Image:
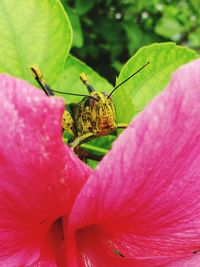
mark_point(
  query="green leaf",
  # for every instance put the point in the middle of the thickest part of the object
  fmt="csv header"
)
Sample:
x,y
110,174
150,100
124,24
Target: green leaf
x,y
69,80
83,6
33,32
92,163
136,93
136,37
99,145
169,27
76,26
193,37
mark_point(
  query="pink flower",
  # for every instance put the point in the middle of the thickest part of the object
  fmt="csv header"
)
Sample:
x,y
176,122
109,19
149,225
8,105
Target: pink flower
x,y
140,207
143,200
40,176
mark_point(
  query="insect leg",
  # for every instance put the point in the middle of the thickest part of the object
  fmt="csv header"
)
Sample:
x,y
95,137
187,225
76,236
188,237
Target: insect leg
x,y
68,122
85,155
78,140
122,125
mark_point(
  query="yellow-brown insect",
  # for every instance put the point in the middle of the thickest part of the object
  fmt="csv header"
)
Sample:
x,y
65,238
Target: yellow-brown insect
x,y
93,116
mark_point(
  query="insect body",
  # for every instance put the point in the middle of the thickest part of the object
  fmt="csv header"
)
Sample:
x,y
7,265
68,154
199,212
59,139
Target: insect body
x,y
93,116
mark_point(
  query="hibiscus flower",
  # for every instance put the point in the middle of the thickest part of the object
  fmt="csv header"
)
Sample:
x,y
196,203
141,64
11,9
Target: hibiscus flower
x,y
141,205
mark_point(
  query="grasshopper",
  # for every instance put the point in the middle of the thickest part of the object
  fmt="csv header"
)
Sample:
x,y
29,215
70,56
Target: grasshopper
x,y
92,117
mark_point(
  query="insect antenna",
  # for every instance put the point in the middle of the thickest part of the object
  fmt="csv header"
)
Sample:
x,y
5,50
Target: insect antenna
x,y
47,89
65,93
128,79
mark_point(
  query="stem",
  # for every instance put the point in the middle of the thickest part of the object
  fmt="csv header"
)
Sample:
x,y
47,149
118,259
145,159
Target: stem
x,y
102,151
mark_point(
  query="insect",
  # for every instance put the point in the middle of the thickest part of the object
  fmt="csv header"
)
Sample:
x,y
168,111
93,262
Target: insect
x,y
92,117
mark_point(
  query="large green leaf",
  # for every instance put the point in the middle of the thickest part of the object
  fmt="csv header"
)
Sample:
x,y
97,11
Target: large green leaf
x,y
76,26
33,32
136,93
69,80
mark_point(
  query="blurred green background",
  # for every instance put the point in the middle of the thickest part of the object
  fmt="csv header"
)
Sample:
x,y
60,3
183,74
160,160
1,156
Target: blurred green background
x,y
107,33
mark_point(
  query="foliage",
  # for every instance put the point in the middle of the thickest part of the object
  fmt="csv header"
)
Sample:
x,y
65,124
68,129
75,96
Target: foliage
x,y
43,36
164,59
33,38
110,32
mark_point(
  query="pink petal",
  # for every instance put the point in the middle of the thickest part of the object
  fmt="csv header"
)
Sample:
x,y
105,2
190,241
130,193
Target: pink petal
x,y
192,261
145,194
52,252
40,176
96,249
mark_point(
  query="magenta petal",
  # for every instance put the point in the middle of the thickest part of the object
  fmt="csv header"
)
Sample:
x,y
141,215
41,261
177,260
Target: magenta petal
x,y
146,192
52,252
96,249
40,176
192,261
